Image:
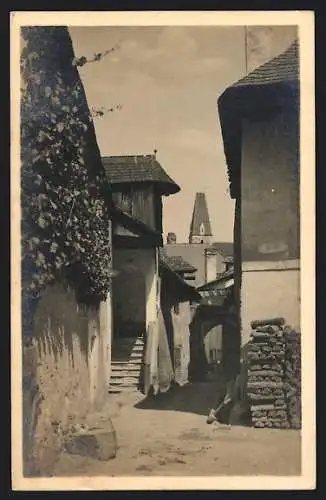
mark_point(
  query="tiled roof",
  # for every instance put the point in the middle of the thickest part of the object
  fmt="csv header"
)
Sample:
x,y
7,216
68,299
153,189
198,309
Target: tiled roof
x,y
138,169
283,68
195,255
177,263
200,216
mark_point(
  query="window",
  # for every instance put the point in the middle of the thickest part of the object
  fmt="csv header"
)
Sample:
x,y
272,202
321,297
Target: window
x,y
126,202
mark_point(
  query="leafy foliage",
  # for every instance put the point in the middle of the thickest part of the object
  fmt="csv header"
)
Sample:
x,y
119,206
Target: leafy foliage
x,y
65,198
81,61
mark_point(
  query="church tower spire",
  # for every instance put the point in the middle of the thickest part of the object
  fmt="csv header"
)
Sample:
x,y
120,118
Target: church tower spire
x,y
200,227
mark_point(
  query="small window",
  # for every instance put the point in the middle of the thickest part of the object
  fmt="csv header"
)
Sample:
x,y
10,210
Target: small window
x,y
126,201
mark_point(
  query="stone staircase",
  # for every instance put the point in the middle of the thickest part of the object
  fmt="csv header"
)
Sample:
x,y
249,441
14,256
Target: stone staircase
x,y
126,362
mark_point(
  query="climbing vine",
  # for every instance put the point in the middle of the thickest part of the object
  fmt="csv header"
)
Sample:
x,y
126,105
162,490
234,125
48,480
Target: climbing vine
x,y
65,199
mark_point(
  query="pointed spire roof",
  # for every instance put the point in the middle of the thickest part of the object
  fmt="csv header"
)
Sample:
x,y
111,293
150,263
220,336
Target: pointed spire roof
x,y
200,223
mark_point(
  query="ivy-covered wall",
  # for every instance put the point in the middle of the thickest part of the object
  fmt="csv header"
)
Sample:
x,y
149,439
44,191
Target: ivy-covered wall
x,y
65,199
65,247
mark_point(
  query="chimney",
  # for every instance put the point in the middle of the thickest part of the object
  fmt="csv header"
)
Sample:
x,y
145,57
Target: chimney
x,y
171,239
210,264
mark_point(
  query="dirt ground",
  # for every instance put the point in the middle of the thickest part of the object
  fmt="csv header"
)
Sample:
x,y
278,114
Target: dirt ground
x,y
169,436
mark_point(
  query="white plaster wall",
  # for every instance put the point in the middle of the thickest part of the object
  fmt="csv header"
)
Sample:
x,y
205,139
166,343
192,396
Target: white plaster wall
x,y
269,294
210,266
182,340
152,286
106,326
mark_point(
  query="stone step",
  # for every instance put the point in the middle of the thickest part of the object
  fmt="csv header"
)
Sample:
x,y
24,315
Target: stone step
x,y
124,373
124,381
119,389
125,357
130,367
129,341
127,352
126,366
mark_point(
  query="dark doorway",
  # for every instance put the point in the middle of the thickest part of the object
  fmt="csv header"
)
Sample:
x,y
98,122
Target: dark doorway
x,y
129,303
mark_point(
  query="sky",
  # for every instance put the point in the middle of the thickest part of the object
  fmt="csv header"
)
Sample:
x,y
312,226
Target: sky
x,y
167,80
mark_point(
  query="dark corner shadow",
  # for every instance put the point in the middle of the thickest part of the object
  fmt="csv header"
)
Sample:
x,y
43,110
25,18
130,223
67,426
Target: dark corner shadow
x,y
197,398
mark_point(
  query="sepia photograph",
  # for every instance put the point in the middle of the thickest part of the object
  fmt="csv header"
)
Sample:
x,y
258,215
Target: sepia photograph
x,y
158,264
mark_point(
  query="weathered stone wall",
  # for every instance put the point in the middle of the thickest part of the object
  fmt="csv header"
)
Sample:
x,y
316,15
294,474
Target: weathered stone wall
x,y
270,197
270,221
69,366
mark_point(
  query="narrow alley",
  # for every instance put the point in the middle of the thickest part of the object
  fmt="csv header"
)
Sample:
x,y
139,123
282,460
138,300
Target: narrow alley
x,y
169,436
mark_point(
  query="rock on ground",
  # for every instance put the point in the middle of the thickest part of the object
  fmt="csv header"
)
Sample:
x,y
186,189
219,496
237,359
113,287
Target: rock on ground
x,y
169,436
100,443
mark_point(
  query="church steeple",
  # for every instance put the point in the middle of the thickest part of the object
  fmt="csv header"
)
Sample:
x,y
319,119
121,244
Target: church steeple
x,y
200,227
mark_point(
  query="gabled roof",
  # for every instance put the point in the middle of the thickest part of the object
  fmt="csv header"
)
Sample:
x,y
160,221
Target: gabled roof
x,y
136,169
271,86
200,216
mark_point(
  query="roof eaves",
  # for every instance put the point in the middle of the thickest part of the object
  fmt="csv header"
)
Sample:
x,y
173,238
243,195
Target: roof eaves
x,y
226,275
251,94
194,294
138,169
131,222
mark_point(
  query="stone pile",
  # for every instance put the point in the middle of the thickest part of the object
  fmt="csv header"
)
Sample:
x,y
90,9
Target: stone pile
x,y
292,376
265,385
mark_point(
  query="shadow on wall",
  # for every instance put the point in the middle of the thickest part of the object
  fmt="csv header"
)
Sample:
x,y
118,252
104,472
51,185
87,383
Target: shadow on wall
x,y
69,372
169,328
60,323
197,398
